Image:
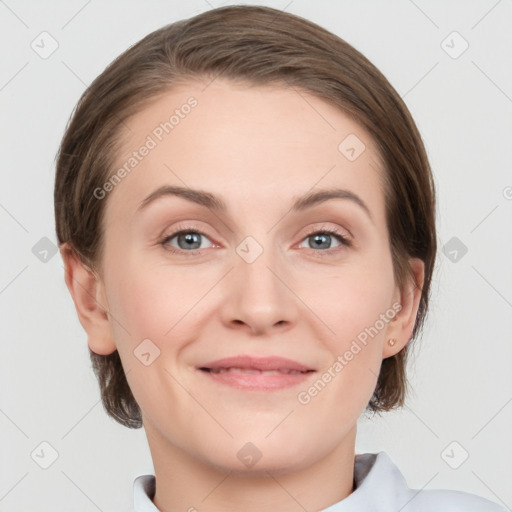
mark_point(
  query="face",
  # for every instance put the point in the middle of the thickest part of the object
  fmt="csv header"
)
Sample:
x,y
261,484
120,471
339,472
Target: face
x,y
268,275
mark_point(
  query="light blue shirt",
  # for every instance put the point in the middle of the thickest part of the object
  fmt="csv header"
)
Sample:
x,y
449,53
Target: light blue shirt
x,y
379,487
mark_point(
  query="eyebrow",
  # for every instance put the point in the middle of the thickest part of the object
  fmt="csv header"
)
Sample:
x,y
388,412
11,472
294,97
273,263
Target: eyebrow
x,y
209,200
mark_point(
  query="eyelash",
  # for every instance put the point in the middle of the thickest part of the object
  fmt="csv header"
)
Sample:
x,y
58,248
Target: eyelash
x,y
344,241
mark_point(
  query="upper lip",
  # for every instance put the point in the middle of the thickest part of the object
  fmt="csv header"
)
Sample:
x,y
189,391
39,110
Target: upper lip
x,y
257,363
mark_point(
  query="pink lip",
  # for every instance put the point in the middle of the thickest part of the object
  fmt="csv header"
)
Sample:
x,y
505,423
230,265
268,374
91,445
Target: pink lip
x,y
258,373
257,363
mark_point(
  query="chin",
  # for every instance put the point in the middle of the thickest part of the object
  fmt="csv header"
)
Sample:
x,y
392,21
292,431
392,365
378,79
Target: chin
x,y
257,458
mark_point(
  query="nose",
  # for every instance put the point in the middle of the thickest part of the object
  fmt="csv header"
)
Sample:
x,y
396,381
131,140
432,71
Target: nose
x,y
259,297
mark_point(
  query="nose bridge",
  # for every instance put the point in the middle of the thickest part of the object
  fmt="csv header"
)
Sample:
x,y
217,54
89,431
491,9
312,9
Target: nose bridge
x,y
260,298
257,263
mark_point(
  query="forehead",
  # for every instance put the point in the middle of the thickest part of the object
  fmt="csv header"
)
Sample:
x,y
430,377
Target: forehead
x,y
248,144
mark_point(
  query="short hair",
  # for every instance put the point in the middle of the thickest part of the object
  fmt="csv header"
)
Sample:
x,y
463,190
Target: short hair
x,y
252,45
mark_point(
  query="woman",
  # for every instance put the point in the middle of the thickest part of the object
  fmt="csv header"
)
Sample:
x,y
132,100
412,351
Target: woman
x,y
246,214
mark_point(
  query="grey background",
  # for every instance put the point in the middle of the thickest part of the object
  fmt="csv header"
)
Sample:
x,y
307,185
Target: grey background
x,y
460,372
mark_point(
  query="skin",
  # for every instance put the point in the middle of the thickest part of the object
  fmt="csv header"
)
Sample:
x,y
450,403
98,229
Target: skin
x,y
258,148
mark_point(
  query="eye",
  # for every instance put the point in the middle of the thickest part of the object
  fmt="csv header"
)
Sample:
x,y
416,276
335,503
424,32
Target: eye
x,y
321,239
187,240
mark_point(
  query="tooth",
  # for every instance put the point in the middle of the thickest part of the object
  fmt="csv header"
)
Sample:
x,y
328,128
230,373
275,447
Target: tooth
x,y
251,371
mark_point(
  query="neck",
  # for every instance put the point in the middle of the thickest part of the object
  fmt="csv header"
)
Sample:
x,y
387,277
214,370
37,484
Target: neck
x,y
184,483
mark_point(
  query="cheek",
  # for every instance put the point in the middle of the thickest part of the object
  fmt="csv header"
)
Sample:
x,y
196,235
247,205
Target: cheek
x,y
358,308
163,305
150,306
139,308
359,313
152,301
355,300
356,312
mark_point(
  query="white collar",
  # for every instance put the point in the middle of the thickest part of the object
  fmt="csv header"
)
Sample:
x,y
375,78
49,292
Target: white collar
x,y
379,486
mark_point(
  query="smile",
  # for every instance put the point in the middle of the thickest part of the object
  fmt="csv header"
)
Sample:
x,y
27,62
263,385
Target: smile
x,y
253,371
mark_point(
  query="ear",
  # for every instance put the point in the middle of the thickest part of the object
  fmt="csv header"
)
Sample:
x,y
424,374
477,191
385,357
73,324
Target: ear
x,y
87,291
402,325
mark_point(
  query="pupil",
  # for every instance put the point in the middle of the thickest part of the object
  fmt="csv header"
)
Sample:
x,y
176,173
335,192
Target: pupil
x,y
191,238
319,238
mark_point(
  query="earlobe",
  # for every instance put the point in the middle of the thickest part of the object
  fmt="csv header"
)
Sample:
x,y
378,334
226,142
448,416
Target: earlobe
x,y
87,292
401,328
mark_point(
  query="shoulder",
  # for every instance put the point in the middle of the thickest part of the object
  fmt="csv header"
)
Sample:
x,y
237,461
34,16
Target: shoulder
x,y
376,474
440,500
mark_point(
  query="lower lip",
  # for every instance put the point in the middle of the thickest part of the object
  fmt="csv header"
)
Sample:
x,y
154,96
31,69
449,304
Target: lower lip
x,y
258,381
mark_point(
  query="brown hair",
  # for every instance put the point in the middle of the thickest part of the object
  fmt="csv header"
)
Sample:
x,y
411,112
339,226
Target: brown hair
x,y
254,45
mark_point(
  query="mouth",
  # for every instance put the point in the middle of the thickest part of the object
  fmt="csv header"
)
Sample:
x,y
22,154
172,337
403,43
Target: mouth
x,y
254,371
251,373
